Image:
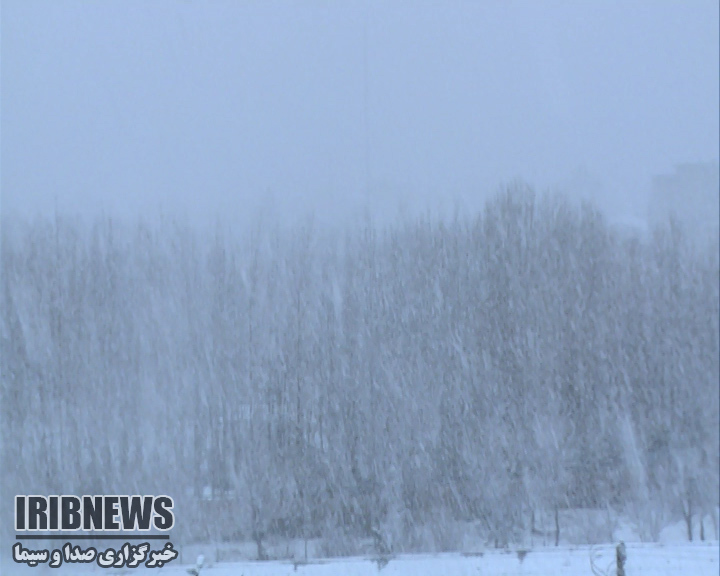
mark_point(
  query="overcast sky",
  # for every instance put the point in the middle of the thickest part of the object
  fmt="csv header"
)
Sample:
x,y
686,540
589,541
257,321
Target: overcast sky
x,y
227,107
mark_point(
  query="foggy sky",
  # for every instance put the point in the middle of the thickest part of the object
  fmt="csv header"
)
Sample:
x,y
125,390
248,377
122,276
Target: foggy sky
x,y
230,107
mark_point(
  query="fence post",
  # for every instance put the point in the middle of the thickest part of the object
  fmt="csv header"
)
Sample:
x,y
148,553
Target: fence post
x,y
621,556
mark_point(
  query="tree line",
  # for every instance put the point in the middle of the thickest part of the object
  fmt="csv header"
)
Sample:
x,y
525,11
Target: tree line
x,y
385,382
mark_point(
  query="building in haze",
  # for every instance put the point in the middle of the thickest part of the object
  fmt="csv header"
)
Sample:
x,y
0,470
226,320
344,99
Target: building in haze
x,y
692,195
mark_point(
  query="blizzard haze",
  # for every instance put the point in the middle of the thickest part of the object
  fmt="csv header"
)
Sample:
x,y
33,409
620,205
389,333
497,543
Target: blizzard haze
x,y
479,369
227,108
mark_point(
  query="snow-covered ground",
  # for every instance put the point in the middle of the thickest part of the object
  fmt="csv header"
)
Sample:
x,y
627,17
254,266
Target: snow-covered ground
x,y
643,560
700,559
671,556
